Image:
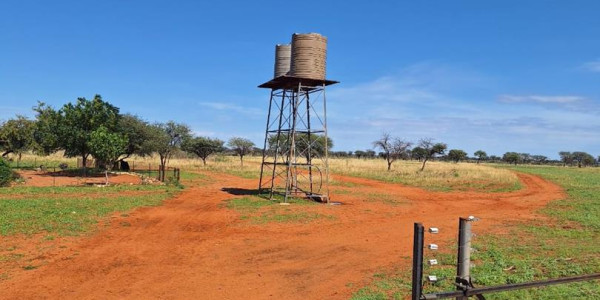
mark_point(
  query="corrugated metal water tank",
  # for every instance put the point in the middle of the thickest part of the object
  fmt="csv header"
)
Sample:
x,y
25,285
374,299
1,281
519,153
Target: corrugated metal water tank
x,y
309,54
283,59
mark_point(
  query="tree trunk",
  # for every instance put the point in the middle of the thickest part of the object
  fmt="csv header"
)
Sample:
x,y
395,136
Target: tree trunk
x,y
7,152
106,174
161,168
389,165
242,160
204,161
424,161
84,163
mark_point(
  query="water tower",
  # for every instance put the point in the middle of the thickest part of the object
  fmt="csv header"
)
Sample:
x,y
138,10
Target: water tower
x,y
295,153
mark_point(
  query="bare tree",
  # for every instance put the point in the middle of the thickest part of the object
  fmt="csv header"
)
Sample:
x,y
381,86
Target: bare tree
x,y
393,148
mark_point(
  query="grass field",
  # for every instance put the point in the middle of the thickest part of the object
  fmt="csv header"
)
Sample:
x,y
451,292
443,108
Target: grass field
x,y
437,176
565,247
71,210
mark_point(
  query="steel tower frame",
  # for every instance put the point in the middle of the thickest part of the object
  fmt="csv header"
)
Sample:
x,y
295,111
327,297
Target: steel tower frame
x,y
296,132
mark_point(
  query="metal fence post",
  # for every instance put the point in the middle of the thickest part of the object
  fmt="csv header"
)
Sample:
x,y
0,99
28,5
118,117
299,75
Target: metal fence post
x,y
463,271
417,268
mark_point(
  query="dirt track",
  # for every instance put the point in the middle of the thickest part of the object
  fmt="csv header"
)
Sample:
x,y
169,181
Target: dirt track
x,y
193,248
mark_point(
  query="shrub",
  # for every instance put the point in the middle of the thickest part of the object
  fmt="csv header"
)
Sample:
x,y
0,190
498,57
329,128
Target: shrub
x,y
6,174
63,166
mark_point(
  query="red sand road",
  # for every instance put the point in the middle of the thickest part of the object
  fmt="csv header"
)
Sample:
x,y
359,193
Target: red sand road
x,y
193,248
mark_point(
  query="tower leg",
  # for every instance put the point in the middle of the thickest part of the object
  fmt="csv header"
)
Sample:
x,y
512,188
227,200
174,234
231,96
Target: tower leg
x,y
264,152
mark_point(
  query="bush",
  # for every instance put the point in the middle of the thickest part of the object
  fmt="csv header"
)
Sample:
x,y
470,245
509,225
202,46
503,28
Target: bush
x,y
6,173
63,166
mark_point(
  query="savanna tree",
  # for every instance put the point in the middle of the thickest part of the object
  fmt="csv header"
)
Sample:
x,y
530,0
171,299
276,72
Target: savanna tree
x,y
203,147
583,159
393,148
138,133
166,138
481,155
431,149
457,155
16,136
566,158
241,147
418,153
511,157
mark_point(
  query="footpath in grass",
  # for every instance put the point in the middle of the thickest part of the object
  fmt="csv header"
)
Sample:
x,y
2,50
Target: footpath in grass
x,y
565,246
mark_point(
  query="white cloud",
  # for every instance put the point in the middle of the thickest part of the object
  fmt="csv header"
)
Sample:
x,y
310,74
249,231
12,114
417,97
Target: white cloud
x,y
540,99
592,66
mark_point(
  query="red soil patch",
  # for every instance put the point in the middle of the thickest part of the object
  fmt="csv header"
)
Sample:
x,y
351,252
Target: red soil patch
x,y
194,248
34,178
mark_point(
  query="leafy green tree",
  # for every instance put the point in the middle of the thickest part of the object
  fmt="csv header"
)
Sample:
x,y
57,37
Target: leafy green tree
x,y
393,148
511,157
106,147
203,147
16,136
583,159
418,153
138,133
166,139
241,147
431,149
78,121
566,157
481,155
457,155
46,130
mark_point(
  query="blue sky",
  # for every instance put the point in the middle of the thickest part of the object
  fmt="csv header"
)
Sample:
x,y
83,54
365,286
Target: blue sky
x,y
493,75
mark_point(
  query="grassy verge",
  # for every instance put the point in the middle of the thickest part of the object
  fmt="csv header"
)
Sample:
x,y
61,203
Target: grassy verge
x,y
70,210
566,246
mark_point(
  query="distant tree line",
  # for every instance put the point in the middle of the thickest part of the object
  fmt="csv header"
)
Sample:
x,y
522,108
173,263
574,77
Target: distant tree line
x,y
392,149
95,128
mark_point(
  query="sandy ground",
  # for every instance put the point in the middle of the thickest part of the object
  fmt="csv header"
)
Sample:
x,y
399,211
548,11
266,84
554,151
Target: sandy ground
x,y
194,248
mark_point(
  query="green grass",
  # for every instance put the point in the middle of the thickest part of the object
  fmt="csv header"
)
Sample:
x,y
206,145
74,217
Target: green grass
x,y
60,190
63,211
566,246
